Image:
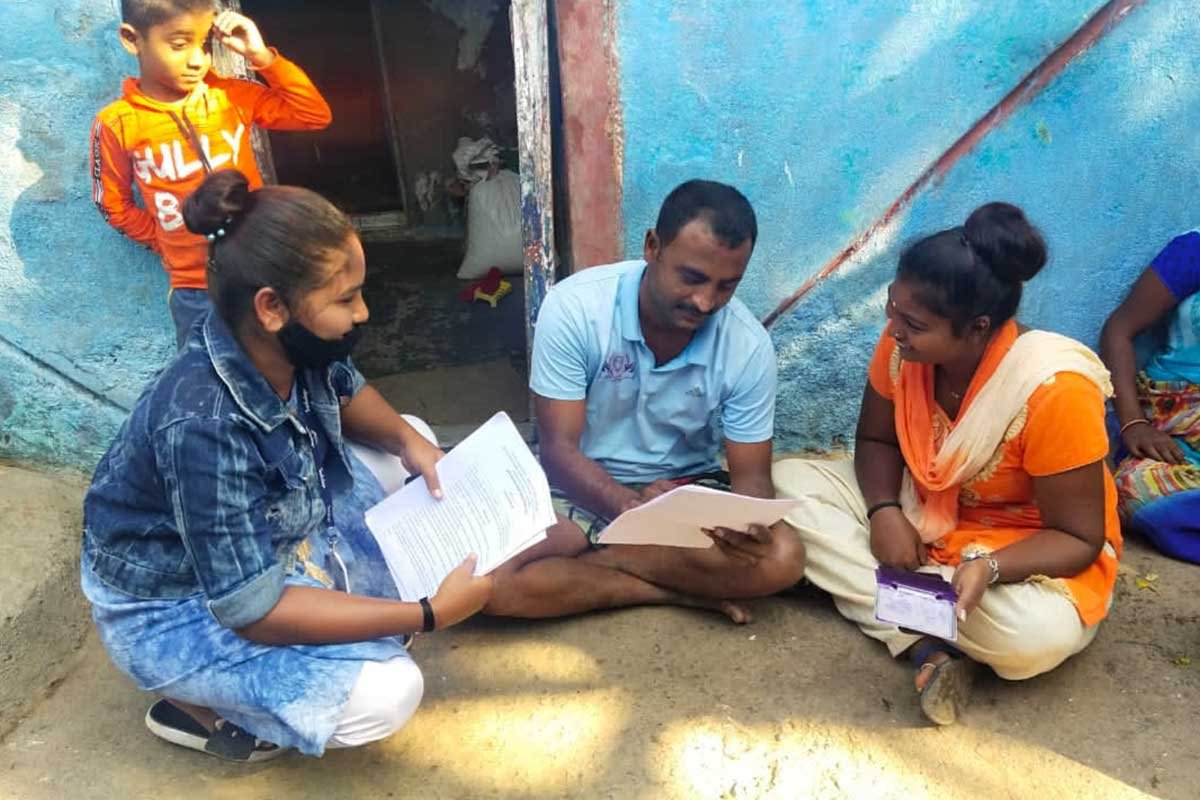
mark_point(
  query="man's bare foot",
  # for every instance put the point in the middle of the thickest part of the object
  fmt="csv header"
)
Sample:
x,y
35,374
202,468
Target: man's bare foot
x,y
738,614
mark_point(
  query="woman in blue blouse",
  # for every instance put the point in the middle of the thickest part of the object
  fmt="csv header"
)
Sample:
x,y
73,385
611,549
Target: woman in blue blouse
x,y
1158,410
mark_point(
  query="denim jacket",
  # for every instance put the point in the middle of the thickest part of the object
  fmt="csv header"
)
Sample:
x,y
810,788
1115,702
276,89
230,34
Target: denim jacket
x,y
210,484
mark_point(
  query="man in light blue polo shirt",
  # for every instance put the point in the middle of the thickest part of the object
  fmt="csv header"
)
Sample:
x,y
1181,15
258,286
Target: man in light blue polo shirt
x,y
641,371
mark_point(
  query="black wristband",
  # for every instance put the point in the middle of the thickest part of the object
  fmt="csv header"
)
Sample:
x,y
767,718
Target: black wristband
x,y
880,506
427,612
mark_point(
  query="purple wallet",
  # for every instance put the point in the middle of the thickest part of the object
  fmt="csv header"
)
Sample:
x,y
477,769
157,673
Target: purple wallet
x,y
917,602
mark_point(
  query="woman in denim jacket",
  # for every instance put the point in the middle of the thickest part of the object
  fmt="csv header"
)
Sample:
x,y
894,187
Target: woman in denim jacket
x,y
225,552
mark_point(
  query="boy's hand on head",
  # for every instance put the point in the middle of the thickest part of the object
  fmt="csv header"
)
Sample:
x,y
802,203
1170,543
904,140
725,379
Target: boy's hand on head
x,y
239,33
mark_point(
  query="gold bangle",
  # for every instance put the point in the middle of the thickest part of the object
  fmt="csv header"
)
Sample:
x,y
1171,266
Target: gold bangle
x,y
1131,423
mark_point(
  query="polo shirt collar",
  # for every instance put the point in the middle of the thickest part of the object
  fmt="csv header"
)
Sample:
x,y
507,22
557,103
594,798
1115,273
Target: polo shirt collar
x,y
701,348
627,303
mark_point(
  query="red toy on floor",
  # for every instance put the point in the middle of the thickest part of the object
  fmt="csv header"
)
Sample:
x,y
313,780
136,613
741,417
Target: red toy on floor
x,y
489,289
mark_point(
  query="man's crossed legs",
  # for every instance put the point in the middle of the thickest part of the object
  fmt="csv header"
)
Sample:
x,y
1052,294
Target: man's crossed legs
x,y
569,574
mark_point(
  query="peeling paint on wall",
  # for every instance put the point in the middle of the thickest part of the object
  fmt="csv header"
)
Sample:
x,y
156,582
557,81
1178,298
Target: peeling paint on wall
x,y
1092,31
857,99
592,130
83,322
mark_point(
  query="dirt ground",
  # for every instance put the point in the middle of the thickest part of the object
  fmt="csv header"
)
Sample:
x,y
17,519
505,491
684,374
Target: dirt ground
x,y
669,703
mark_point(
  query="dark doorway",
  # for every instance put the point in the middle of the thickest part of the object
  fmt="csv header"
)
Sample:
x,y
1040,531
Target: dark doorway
x,y
406,79
350,162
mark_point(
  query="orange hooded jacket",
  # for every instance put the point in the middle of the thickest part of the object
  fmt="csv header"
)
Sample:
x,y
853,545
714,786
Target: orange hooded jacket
x,y
164,147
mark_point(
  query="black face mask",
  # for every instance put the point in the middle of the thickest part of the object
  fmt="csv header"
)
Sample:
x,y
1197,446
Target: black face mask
x,y
306,350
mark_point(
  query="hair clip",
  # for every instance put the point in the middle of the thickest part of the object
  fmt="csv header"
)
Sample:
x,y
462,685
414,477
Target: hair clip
x,y
219,233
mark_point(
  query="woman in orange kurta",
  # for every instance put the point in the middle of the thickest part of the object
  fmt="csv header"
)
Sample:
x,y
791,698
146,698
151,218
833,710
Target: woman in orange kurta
x,y
980,456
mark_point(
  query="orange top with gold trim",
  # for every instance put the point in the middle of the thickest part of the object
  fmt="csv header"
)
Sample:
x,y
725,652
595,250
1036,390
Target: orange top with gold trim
x,y
1060,428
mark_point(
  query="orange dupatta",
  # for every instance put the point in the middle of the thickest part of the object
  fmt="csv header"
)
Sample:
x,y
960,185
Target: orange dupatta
x,y
998,391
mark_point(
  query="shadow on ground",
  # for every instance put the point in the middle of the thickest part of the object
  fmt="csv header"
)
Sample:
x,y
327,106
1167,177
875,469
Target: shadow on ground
x,y
669,703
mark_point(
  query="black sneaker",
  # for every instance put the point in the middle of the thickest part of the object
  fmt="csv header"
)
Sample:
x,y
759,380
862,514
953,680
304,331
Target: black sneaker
x,y
167,721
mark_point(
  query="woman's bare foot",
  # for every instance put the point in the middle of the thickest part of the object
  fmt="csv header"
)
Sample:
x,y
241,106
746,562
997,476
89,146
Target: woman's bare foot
x,y
943,680
925,670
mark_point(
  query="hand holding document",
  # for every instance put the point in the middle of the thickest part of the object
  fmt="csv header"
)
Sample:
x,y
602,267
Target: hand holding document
x,y
497,504
677,518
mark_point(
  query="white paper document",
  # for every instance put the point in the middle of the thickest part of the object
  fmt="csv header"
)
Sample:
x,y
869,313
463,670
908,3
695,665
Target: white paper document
x,y
496,504
677,517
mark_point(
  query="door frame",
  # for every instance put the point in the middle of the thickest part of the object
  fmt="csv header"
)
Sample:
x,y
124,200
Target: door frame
x,y
227,62
531,59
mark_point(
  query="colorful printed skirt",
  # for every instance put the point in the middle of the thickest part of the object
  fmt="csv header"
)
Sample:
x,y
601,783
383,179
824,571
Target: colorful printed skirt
x,y
1160,500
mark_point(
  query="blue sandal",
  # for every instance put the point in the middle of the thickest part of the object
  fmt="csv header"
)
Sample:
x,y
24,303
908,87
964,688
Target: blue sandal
x,y
948,689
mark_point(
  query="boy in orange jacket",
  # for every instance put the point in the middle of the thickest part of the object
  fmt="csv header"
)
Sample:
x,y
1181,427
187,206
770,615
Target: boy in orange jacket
x,y
178,121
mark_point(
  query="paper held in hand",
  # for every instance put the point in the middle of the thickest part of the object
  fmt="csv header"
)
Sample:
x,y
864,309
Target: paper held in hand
x,y
496,504
677,517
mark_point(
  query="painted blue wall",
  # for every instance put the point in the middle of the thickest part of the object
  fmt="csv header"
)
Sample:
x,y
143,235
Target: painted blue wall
x,y
822,113
83,321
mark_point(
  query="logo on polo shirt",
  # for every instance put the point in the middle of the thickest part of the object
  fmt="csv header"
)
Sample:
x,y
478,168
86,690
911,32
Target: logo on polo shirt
x,y
618,367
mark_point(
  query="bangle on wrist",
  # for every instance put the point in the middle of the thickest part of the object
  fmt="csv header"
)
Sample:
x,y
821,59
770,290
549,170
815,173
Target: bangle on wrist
x,y
1132,422
880,506
992,563
429,623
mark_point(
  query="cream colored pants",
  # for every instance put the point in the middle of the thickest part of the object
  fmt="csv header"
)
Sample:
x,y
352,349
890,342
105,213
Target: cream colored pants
x,y
1018,629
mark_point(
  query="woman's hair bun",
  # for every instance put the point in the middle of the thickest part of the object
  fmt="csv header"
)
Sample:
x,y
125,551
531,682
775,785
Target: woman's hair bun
x,y
223,196
1003,239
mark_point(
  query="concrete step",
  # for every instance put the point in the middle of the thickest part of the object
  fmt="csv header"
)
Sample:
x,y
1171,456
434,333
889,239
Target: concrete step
x,y
43,616
675,703
450,436
457,396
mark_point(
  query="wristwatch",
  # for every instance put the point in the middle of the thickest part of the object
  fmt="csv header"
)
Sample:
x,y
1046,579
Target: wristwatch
x,y
991,562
